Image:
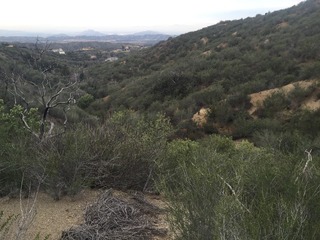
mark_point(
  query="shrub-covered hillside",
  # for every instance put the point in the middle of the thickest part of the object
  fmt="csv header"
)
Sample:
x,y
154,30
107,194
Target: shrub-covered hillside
x,y
67,124
216,67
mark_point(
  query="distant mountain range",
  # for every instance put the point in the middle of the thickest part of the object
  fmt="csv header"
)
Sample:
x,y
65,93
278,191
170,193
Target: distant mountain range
x,y
146,37
90,32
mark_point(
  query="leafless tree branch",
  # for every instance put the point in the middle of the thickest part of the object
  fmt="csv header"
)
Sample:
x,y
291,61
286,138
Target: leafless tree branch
x,y
23,118
49,94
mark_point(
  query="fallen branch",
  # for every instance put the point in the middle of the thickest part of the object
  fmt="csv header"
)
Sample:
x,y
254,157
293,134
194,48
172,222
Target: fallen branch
x,y
113,218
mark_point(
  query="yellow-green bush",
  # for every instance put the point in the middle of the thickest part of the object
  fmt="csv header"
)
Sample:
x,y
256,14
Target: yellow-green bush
x,y
221,190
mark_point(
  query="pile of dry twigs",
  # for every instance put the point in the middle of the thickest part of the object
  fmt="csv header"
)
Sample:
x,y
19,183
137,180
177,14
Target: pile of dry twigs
x,y
113,218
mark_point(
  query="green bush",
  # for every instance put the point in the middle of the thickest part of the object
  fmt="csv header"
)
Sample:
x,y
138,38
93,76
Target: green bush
x,y
16,152
305,121
120,153
246,128
222,113
85,100
298,94
219,190
274,104
66,161
135,142
287,142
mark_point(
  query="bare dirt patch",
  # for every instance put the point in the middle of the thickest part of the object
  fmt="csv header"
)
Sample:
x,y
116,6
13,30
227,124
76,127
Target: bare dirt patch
x,y
54,217
310,103
204,40
106,99
200,117
282,25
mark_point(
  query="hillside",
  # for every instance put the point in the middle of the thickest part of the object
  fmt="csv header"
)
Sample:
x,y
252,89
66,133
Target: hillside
x,y
310,101
149,121
217,67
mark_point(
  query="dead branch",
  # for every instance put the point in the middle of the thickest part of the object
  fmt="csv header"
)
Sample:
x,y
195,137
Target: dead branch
x,y
23,118
112,218
308,161
27,213
306,165
17,91
49,94
234,194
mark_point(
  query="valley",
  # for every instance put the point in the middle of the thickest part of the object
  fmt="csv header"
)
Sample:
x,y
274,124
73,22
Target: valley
x,y
211,134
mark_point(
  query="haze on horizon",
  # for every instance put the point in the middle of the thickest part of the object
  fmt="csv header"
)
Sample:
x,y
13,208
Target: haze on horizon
x,y
128,16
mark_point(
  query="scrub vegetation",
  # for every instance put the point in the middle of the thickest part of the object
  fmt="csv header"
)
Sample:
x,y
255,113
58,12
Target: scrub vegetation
x,y
250,168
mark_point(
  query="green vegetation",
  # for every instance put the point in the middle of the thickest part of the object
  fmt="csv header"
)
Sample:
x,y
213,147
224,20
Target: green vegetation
x,y
204,68
67,123
120,153
221,190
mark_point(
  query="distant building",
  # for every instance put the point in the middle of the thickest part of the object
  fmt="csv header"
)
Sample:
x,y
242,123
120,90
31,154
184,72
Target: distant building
x,y
59,50
93,57
87,49
111,59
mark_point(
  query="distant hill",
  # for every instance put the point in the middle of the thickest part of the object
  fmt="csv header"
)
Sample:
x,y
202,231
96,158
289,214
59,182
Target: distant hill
x,y
90,32
147,33
61,35
218,67
90,35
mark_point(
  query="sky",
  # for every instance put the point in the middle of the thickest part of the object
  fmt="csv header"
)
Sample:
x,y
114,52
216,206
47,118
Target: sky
x,y
128,16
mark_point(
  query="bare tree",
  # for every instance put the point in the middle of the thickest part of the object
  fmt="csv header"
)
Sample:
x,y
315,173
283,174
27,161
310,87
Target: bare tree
x,y
49,90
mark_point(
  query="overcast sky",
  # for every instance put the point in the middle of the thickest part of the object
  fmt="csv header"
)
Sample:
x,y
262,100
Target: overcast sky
x,y
128,15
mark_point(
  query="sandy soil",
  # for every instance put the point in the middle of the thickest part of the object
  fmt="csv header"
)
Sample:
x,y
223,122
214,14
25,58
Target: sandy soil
x,y
53,217
200,117
311,103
